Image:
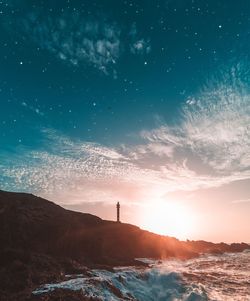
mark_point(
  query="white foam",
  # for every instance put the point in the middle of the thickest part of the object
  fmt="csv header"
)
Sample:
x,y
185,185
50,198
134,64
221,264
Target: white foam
x,y
221,278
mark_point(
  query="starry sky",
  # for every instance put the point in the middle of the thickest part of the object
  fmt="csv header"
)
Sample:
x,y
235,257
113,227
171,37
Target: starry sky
x,y
142,102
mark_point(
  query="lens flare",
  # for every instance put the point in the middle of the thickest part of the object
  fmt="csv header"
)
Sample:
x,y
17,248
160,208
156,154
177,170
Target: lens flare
x,y
168,218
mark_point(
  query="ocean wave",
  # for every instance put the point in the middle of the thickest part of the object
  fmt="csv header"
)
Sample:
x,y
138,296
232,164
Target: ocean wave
x,y
208,278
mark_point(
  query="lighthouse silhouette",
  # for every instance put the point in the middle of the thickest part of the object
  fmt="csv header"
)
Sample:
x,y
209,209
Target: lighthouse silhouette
x,y
118,212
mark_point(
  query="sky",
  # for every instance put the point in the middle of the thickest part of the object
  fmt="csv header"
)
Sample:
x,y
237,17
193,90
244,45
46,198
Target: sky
x,y
142,102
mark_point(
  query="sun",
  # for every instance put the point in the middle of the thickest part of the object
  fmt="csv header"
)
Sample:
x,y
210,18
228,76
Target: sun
x,y
168,218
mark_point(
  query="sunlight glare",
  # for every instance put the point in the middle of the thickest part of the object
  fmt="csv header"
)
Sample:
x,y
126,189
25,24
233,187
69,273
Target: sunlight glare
x,y
168,218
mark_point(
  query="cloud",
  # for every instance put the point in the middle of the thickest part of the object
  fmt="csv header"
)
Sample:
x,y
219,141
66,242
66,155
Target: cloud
x,y
141,47
90,171
73,171
241,201
76,40
215,127
32,108
209,147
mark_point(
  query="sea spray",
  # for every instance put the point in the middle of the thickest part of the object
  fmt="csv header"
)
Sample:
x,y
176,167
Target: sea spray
x,y
210,277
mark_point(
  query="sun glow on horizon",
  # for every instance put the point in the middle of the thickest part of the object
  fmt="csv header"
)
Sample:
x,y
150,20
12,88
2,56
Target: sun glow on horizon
x,y
168,218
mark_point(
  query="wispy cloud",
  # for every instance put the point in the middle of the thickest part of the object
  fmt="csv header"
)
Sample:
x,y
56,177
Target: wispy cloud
x,y
79,39
75,39
73,167
208,148
141,47
215,127
36,110
138,45
241,201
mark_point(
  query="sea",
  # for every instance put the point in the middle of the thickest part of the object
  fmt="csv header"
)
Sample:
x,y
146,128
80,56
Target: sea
x,y
224,277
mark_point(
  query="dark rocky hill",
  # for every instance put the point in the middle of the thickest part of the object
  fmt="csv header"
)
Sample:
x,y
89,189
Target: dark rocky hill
x,y
40,242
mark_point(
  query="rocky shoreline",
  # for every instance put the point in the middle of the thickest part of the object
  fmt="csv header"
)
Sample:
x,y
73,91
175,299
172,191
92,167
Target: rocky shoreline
x,y
40,243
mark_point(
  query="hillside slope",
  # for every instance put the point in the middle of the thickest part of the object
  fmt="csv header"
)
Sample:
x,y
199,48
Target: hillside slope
x,y
40,242
36,225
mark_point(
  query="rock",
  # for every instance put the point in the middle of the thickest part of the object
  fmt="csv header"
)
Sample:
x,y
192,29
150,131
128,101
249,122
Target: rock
x,y
40,242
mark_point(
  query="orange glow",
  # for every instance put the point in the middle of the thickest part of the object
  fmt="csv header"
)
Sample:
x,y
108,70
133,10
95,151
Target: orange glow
x,y
166,218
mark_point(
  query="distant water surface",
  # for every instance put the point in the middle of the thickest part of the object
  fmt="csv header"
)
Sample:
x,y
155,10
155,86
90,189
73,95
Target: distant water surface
x,y
210,277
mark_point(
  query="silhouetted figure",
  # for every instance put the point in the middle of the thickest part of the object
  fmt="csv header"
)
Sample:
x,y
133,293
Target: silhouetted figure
x,y
118,212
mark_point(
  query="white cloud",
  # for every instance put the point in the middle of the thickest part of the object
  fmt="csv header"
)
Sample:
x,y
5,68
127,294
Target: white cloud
x,y
76,40
79,39
32,108
241,201
140,47
75,171
215,127
208,148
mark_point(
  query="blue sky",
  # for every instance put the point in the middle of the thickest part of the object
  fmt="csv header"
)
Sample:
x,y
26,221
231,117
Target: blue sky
x,y
137,101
